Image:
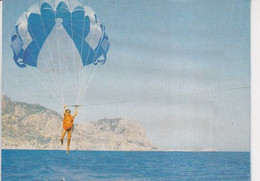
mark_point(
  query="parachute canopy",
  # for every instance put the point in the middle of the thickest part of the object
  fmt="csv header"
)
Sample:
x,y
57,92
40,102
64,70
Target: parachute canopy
x,y
80,22
62,43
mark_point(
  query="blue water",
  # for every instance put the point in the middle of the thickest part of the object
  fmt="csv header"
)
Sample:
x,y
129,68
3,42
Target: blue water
x,y
101,165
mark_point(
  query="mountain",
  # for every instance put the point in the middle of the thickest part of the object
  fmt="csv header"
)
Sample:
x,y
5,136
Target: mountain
x,y
32,126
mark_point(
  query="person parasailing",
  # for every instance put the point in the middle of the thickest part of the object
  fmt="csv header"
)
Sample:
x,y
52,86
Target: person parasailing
x,y
68,126
40,49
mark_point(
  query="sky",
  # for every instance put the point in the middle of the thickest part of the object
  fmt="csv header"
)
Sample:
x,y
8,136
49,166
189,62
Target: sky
x,y
179,68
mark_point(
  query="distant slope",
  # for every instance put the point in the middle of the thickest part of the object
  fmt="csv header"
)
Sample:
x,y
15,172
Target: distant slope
x,y
30,126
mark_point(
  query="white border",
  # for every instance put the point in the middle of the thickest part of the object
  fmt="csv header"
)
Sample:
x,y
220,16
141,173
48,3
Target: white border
x,y
255,90
1,85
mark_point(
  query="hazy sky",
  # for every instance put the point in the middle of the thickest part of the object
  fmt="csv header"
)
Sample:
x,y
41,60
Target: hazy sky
x,y
161,51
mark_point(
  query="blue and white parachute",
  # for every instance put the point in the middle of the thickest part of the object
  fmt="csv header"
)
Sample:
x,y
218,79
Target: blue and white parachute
x,y
80,22
57,37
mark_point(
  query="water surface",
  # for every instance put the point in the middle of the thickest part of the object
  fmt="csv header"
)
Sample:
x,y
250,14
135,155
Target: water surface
x,y
105,165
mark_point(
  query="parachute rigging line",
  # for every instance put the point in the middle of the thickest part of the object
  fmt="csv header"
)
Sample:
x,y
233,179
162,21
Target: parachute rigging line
x,y
56,96
171,96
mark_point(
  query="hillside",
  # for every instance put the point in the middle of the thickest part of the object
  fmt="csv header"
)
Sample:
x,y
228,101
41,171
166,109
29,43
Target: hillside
x,y
32,126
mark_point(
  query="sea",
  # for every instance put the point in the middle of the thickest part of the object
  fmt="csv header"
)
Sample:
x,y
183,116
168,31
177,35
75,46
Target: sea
x,y
54,165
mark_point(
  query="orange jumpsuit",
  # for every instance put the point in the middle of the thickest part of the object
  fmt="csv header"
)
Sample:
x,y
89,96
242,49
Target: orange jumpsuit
x,y
68,122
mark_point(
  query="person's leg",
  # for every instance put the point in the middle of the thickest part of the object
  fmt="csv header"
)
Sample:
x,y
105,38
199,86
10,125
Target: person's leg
x,y
62,136
69,137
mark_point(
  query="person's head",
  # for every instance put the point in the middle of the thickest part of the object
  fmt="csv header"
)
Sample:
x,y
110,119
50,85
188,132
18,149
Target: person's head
x,y
67,111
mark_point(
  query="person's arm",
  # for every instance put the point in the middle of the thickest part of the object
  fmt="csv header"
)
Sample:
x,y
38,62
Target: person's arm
x,y
76,112
64,109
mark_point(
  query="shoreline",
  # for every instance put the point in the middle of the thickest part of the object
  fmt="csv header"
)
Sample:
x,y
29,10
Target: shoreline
x,y
18,149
